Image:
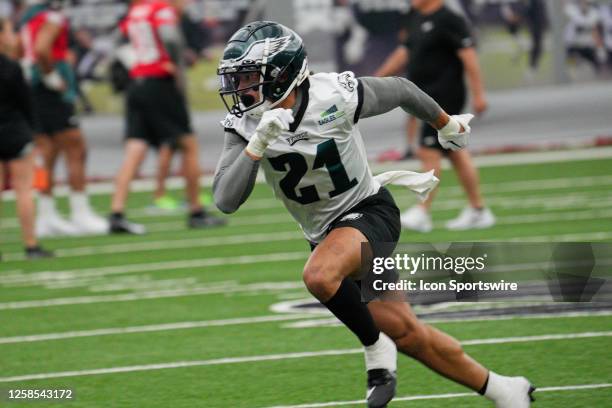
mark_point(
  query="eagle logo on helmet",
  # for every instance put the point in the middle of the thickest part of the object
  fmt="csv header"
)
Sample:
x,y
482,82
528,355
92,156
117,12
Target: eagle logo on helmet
x,y
257,50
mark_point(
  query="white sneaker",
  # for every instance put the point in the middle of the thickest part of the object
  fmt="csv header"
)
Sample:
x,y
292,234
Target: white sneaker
x,y
416,219
89,223
471,218
52,225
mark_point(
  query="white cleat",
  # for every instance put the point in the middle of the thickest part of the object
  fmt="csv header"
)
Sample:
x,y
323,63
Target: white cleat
x,y
89,223
518,394
416,219
471,218
53,225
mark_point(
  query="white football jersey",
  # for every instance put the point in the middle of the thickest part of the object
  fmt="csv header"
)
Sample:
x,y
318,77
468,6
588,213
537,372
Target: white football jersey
x,y
319,167
580,26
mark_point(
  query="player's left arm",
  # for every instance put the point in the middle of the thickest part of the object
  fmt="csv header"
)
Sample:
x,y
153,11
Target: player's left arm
x,y
381,95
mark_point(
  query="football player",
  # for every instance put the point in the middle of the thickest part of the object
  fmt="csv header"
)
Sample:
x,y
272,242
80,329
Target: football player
x,y
156,107
44,39
301,129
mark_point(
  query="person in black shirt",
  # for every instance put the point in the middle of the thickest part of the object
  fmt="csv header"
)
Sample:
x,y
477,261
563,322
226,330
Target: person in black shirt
x,y
16,139
438,50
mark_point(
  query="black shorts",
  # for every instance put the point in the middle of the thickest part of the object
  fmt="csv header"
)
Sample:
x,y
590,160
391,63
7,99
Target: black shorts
x,y
15,140
378,218
429,134
156,112
52,114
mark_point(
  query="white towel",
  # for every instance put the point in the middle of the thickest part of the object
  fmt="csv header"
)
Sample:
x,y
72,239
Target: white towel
x,y
419,183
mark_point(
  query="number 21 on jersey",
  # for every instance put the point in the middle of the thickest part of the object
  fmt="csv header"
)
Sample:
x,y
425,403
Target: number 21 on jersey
x,y
296,167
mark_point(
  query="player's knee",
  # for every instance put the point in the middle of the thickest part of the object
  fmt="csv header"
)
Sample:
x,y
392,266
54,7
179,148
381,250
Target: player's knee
x,y
319,282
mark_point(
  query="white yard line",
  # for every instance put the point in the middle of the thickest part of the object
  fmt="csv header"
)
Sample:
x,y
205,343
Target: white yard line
x,y
200,242
81,273
247,238
151,328
309,322
497,160
157,294
489,188
443,396
333,322
273,357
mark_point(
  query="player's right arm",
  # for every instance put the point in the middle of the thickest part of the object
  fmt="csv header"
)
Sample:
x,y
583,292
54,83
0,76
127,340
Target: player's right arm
x,y
237,169
235,175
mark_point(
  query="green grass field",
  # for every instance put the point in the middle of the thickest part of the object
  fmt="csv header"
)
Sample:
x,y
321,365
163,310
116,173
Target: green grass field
x,y
183,318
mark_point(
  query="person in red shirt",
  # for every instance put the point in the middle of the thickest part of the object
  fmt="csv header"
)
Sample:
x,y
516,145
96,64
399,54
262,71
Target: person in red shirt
x,y
156,107
44,42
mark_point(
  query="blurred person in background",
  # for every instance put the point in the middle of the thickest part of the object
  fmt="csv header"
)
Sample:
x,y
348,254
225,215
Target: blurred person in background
x,y
583,38
16,138
606,25
156,108
44,38
439,49
532,13
374,33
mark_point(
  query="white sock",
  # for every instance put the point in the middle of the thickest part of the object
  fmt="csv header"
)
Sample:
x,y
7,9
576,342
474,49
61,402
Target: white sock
x,y
382,354
79,203
46,206
497,387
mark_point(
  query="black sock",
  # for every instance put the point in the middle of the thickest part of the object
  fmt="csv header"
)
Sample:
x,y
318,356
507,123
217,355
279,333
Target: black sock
x,y
347,306
117,214
197,213
484,387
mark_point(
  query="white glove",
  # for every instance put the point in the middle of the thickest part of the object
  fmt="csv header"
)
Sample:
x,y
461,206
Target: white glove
x,y
272,123
451,137
53,81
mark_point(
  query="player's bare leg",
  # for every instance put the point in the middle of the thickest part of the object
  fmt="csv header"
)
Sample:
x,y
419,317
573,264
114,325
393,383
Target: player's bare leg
x,y
198,217
435,349
412,127
164,163
72,144
191,168
431,159
444,354
468,176
135,151
22,176
336,258
476,215
417,218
